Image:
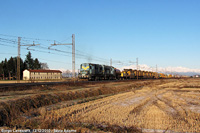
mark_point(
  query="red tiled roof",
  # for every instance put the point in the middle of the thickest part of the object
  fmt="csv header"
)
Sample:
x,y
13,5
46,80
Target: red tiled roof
x,y
50,71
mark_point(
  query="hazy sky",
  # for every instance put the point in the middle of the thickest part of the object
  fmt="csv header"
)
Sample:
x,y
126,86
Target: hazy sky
x,y
162,32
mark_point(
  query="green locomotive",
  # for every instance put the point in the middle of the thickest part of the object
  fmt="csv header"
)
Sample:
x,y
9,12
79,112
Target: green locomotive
x,y
98,72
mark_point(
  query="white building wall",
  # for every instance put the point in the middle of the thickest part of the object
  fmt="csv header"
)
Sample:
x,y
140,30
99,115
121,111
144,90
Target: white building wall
x,y
26,75
44,75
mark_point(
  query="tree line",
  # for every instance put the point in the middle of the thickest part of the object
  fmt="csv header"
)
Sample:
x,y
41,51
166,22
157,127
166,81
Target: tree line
x,y
8,68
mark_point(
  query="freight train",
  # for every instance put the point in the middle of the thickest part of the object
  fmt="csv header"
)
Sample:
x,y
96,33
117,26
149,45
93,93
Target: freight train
x,y
103,72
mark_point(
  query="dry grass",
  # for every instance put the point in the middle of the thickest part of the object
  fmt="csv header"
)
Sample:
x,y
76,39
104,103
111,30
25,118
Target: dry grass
x,y
144,106
23,100
153,107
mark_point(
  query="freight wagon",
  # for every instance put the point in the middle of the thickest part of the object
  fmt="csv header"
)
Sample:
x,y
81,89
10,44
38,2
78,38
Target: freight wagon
x,y
102,72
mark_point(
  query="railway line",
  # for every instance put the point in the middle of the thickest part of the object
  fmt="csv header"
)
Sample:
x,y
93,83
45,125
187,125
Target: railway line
x,y
92,73
26,86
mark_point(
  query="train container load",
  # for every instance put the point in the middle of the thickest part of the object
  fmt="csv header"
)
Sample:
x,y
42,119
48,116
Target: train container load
x,y
127,74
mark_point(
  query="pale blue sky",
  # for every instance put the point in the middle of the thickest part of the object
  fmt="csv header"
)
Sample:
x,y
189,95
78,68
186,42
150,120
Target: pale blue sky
x,y
163,32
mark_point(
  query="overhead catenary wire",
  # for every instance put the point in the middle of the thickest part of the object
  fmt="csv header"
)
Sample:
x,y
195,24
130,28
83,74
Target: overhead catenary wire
x,y
79,55
9,53
8,45
27,40
30,39
35,50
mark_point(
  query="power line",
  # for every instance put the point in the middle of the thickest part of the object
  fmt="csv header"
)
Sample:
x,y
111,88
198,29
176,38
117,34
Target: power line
x,y
10,40
26,40
84,56
53,61
8,53
50,52
27,37
79,55
8,45
8,35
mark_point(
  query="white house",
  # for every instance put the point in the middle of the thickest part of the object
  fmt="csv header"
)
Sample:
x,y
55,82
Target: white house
x,y
41,74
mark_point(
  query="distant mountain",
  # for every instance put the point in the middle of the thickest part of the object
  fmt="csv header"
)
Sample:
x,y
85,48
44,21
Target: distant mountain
x,y
186,73
169,70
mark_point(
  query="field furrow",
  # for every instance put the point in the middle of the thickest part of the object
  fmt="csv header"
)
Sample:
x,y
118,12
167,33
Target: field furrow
x,y
164,106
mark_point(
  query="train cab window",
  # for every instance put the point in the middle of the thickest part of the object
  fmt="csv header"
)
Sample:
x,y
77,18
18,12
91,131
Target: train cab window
x,y
90,67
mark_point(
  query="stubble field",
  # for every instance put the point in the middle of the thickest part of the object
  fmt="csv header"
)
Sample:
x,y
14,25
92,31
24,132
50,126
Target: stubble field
x,y
171,105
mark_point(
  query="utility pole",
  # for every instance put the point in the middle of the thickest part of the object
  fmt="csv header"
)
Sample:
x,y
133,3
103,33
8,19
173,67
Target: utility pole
x,y
156,68
137,67
156,71
73,55
18,57
73,52
18,60
111,62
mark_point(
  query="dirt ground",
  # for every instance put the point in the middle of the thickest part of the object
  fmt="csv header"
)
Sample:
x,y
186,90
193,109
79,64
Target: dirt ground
x,y
173,106
163,106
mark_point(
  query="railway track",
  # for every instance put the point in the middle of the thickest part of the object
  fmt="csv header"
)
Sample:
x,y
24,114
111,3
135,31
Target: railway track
x,y
26,86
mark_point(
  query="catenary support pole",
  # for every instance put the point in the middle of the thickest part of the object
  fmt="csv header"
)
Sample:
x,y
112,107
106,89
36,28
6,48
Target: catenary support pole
x,y
73,55
137,67
18,60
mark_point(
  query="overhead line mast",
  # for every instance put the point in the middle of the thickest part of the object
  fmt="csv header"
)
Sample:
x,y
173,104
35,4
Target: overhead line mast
x,y
73,55
73,52
18,60
137,67
18,57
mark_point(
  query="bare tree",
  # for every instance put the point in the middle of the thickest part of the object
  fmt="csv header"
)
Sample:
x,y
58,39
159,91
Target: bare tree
x,y
44,66
67,73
